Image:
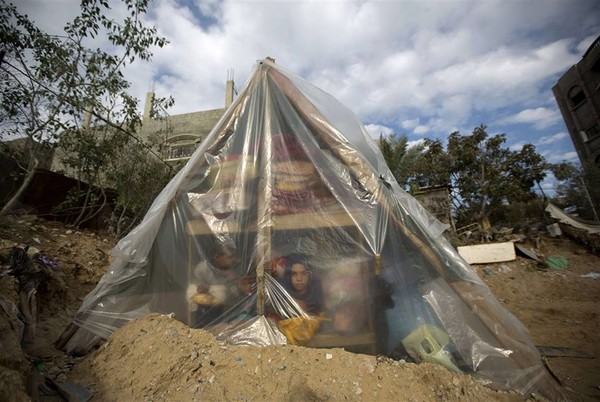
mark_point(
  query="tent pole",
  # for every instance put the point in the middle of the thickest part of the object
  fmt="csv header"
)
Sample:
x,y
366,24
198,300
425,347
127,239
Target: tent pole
x,y
264,221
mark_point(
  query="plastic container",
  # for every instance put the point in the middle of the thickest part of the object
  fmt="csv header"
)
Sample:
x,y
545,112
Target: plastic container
x,y
428,343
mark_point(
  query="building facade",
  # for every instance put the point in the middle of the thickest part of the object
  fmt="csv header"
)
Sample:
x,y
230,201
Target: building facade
x,y
180,134
577,93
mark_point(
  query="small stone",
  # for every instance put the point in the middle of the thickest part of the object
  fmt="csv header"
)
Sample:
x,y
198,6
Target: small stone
x,y
31,251
328,356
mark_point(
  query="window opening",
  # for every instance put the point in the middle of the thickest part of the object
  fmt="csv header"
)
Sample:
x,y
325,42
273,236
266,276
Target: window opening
x,y
593,132
576,96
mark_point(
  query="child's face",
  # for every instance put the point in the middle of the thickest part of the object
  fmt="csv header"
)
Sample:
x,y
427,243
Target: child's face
x,y
225,260
299,278
278,269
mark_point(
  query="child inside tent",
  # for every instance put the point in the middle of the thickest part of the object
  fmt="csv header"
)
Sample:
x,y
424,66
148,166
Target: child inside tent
x,y
213,285
303,285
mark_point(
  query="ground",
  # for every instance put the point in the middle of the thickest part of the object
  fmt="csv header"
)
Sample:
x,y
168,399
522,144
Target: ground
x,y
158,358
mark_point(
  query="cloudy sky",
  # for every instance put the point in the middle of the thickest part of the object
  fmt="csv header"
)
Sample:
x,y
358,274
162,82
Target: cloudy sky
x,y
421,68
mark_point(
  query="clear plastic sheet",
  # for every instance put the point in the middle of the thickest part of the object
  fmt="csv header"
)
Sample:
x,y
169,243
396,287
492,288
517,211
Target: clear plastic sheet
x,y
286,226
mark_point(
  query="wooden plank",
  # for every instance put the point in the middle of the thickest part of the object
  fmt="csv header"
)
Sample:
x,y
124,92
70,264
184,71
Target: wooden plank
x,y
488,253
332,217
200,227
329,340
527,252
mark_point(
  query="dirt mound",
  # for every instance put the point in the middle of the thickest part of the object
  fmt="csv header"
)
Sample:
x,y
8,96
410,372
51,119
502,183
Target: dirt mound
x,y
162,359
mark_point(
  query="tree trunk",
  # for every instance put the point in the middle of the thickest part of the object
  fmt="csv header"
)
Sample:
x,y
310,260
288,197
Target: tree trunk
x,y
483,189
134,221
14,200
95,210
121,217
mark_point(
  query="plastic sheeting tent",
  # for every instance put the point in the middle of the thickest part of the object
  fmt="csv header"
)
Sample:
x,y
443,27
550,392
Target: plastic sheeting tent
x,y
286,226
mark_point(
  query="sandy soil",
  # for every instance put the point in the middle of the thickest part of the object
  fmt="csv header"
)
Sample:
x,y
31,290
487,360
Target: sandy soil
x,y
158,358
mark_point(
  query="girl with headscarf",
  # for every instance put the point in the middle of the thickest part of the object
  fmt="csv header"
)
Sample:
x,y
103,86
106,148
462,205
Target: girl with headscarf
x,y
302,283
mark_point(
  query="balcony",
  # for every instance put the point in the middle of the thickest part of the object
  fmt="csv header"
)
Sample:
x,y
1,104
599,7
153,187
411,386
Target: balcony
x,y
178,152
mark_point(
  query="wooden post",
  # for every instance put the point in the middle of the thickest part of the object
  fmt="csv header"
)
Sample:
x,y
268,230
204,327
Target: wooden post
x,y
264,224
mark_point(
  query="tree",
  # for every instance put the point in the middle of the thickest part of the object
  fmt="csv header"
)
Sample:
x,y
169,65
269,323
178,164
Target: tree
x,y
97,155
432,168
47,81
485,174
399,157
138,177
578,188
86,155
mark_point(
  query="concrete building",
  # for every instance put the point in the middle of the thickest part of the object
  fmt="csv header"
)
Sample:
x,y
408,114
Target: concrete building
x,y
577,93
180,134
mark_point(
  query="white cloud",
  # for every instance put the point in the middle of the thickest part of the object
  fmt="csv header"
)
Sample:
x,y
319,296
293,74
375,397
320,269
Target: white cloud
x,y
426,67
548,185
517,146
408,124
411,144
376,130
546,140
51,15
421,130
584,45
540,117
556,156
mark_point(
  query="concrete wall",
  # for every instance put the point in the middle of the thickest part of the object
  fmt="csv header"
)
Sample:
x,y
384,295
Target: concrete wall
x,y
436,200
196,123
183,132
